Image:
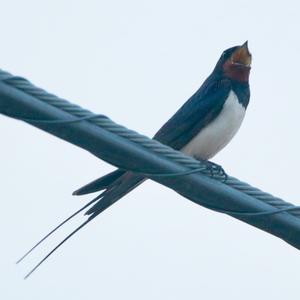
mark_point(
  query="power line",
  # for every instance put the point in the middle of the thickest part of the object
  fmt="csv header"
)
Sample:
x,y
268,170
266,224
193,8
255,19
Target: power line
x,y
111,142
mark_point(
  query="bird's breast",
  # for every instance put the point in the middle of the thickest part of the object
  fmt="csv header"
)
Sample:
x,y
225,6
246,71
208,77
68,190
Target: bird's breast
x,y
218,133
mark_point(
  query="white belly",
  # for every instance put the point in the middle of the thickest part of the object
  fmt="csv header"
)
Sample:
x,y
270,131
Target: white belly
x,y
217,134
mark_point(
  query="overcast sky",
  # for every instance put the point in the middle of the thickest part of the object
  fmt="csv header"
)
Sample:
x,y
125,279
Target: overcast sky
x,y
137,62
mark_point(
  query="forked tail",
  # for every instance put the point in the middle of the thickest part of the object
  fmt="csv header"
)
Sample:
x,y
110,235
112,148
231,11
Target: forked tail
x,y
116,185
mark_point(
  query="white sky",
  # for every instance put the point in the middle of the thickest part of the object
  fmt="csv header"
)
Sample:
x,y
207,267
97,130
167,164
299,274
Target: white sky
x,y
137,62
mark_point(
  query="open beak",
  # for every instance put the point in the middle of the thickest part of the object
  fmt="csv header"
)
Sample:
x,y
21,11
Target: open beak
x,y
242,56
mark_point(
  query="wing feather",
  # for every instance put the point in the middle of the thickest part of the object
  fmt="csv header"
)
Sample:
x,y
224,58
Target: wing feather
x,y
202,108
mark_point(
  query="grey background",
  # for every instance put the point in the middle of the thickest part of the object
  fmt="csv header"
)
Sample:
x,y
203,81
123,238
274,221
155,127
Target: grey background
x,y
137,62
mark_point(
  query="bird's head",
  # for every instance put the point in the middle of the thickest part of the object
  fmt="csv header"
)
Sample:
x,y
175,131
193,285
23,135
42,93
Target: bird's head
x,y
235,63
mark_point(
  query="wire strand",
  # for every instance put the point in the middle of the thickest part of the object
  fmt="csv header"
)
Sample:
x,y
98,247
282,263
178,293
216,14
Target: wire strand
x,y
152,145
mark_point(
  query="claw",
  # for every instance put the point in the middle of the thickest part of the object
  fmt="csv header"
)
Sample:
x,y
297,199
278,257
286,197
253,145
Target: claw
x,y
215,169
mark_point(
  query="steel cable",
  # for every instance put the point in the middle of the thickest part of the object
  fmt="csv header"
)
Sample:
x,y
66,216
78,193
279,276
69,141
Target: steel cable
x,y
79,114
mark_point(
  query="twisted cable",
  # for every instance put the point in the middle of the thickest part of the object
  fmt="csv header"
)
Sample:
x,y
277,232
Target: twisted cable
x,y
193,166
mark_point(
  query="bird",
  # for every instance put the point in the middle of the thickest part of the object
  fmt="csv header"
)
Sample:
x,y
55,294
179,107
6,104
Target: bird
x,y
202,127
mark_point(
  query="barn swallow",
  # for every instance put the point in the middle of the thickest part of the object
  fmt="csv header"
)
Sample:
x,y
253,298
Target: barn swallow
x,y
203,126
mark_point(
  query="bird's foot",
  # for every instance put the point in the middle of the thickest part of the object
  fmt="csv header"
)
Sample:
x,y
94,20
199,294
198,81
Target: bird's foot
x,y
215,170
